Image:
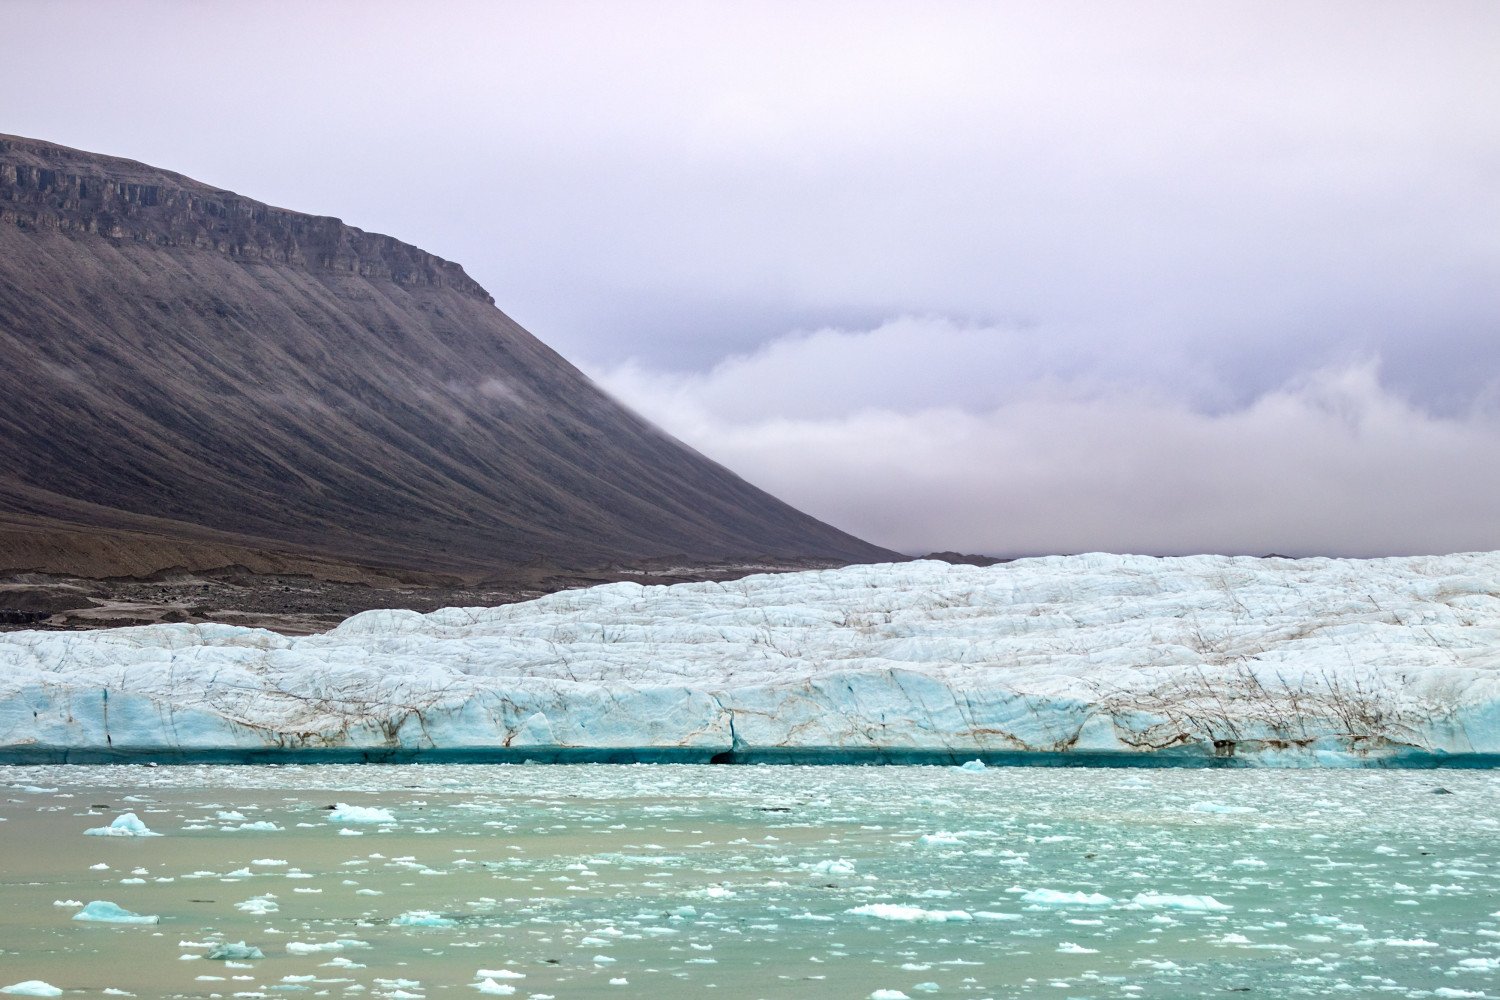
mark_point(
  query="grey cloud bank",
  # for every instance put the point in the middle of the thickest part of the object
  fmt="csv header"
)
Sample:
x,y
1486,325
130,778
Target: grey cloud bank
x,y
1333,461
1027,277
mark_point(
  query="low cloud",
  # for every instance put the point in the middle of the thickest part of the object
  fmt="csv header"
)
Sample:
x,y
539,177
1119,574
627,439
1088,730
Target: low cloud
x,y
895,434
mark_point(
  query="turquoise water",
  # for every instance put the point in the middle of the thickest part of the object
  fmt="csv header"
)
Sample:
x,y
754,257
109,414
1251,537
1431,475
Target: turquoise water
x,y
682,881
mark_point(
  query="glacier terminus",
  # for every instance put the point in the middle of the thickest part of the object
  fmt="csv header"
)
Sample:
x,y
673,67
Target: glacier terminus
x,y
1070,659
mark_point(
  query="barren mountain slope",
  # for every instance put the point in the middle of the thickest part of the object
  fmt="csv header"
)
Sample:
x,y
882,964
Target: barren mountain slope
x,y
186,365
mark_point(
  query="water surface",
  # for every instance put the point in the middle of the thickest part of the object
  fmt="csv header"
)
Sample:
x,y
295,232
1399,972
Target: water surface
x,y
674,881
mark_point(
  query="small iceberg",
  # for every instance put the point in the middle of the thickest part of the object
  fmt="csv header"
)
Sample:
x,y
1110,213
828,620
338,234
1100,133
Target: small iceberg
x,y
101,911
422,918
940,839
1051,897
32,988
973,765
910,914
498,974
1164,901
235,951
125,825
345,813
1218,809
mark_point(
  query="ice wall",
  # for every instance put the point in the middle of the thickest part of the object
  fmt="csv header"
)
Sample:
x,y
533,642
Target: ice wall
x,y
1093,656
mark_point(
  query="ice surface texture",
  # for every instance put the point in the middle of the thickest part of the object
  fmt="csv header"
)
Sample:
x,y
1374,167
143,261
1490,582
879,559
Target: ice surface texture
x,y
1275,660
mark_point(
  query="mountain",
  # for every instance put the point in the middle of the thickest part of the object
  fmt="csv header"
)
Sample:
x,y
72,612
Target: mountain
x,y
192,378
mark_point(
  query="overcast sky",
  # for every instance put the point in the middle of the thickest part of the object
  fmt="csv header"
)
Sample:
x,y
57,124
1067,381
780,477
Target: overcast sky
x,y
1005,278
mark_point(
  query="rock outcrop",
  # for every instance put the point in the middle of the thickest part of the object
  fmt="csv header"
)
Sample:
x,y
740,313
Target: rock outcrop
x,y
46,186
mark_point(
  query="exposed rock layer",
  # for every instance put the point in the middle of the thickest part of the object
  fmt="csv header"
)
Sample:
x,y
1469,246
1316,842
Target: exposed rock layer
x,y
193,372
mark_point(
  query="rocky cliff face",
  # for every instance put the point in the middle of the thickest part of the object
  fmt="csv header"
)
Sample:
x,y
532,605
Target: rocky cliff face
x,y
188,365
45,186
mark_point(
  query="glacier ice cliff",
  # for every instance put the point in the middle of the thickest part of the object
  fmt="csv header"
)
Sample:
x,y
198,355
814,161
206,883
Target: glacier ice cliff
x,y
1094,657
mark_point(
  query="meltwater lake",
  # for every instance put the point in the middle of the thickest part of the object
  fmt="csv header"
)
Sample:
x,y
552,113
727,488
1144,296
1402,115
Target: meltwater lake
x,y
670,881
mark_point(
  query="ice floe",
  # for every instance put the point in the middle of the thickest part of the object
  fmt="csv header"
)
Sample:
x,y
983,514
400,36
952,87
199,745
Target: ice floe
x,y
342,813
910,914
422,918
102,911
1054,897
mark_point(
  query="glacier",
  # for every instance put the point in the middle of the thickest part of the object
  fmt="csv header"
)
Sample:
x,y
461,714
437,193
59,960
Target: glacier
x,y
1091,658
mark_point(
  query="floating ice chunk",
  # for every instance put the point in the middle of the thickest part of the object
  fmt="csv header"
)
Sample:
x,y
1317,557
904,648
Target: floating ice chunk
x,y
307,948
1217,807
1478,965
940,839
889,995
235,951
125,825
498,974
839,866
492,988
926,987
422,918
344,813
257,826
1164,901
259,906
269,862
910,914
32,988
1069,948
67,902
973,765
714,892
104,912
619,981
1052,897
